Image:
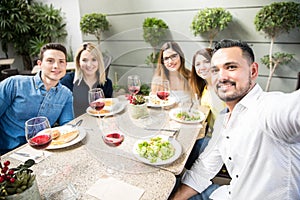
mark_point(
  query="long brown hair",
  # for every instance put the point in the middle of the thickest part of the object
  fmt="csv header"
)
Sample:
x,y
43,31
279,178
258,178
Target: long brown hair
x,y
162,71
197,83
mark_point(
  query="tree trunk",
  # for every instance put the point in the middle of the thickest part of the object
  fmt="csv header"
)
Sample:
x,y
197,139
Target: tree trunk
x,y
27,62
270,66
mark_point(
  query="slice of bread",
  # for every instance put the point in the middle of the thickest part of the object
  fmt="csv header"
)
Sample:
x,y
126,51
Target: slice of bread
x,y
99,112
108,102
66,137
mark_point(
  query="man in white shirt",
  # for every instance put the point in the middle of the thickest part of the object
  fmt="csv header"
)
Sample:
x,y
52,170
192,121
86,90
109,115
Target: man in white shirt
x,y
257,136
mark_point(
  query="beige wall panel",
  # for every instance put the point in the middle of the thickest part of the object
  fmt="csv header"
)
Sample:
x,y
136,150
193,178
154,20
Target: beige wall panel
x,y
125,41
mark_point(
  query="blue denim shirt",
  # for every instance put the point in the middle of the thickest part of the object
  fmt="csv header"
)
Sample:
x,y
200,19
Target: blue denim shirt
x,y
24,97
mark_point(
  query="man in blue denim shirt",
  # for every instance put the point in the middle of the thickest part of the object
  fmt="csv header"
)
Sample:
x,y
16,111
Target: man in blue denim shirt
x,y
24,97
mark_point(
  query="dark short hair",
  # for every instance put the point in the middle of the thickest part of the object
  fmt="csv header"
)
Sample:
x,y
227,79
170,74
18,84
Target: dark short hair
x,y
246,49
54,46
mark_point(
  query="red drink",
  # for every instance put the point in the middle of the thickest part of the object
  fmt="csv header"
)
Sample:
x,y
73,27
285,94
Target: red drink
x,y
113,139
40,141
98,105
134,89
163,95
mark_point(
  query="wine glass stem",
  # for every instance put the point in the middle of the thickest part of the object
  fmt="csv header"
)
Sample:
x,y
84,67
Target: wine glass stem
x,y
50,170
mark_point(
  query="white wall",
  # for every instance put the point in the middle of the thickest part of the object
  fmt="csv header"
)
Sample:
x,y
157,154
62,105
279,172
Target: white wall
x,y
125,41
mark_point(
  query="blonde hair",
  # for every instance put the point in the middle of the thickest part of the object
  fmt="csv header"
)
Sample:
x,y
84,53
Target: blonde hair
x,y
91,48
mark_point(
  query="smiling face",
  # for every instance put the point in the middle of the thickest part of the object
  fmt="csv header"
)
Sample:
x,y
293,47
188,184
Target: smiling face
x,y
88,63
171,60
232,75
202,66
53,66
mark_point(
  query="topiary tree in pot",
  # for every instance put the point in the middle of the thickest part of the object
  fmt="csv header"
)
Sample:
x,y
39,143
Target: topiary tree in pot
x,y
210,21
154,31
274,20
94,24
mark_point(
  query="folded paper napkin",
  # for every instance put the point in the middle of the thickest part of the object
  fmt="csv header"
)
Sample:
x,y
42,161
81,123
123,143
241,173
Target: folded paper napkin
x,y
28,152
108,188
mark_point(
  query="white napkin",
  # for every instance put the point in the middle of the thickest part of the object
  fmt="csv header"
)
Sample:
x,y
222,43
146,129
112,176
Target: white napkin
x,y
36,155
108,188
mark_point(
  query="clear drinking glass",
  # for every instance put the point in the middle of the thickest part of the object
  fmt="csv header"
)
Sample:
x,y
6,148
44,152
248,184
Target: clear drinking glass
x,y
134,84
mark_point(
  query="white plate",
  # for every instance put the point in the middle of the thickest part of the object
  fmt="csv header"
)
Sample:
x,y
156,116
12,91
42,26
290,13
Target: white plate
x,y
116,107
175,143
156,102
173,113
65,129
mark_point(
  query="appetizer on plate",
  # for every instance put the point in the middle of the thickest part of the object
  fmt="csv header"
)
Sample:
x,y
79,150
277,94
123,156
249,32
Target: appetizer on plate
x,y
186,115
112,106
154,101
156,149
63,136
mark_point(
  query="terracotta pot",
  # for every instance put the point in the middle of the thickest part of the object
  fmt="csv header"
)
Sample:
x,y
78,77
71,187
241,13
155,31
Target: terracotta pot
x,y
138,111
31,193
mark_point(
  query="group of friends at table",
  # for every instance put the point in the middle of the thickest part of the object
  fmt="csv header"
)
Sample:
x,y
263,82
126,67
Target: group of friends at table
x,y
256,134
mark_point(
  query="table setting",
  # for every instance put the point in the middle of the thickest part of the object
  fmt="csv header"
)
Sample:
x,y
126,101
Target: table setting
x,y
112,148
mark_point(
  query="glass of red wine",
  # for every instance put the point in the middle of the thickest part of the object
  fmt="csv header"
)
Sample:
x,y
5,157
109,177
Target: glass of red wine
x,y
111,134
38,135
96,99
113,139
134,84
163,89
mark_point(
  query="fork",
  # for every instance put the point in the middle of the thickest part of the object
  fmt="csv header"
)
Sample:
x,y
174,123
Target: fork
x,y
76,124
192,103
174,135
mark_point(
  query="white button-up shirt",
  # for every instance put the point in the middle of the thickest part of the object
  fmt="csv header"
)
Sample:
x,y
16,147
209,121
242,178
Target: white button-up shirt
x,y
260,146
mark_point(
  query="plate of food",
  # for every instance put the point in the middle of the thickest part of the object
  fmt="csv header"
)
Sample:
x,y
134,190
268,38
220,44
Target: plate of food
x,y
158,150
154,101
183,115
112,106
65,136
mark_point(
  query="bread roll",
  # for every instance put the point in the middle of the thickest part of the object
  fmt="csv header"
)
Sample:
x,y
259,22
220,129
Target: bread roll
x,y
55,134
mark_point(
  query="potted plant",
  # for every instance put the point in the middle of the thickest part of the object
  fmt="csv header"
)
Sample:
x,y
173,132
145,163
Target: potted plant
x,y
137,106
95,24
14,20
25,18
154,31
28,26
274,20
18,183
210,21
